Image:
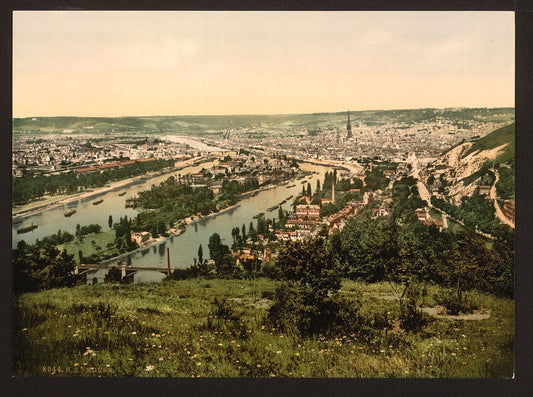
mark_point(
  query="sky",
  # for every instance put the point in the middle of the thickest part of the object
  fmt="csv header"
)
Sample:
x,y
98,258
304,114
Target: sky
x,y
137,63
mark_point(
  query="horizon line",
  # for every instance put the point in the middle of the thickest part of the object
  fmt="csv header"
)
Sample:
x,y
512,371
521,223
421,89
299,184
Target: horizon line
x,y
271,114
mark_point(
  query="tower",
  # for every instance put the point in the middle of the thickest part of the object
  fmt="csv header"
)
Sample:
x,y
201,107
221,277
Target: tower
x,y
349,127
333,191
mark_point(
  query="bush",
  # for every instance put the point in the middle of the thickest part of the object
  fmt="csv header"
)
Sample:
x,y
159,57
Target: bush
x,y
455,303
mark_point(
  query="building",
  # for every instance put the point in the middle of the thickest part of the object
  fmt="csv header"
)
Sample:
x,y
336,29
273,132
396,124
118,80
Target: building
x,y
422,214
348,127
140,238
483,190
380,211
308,211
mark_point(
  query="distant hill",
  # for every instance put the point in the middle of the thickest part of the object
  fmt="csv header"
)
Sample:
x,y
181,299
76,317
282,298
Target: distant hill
x,y
501,136
286,123
469,164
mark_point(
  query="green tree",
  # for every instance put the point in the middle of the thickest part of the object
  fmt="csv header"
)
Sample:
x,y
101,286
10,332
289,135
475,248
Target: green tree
x,y
220,253
36,269
200,254
305,303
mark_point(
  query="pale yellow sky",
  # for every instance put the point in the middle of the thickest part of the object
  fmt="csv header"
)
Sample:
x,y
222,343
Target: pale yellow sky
x,y
85,63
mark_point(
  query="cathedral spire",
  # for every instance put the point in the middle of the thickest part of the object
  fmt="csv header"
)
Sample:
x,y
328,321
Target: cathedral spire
x,y
349,126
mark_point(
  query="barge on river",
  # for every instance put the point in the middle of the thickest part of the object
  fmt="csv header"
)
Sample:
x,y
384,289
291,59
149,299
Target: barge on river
x,y
69,213
27,229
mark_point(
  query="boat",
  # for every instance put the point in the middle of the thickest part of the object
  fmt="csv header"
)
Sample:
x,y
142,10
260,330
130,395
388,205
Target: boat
x,y
27,229
303,182
98,202
288,198
290,186
122,194
258,215
16,221
69,213
269,209
129,203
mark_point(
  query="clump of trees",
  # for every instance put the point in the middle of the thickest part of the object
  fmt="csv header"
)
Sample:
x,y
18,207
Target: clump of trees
x,y
474,211
304,302
39,268
30,187
123,235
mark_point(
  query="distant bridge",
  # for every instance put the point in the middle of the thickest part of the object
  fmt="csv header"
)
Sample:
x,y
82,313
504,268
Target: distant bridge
x,y
82,269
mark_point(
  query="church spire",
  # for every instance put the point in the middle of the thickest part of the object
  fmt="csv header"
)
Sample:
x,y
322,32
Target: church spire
x,y
349,126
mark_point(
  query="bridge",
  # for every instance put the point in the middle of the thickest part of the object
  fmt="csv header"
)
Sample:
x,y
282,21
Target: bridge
x,y
82,269
125,269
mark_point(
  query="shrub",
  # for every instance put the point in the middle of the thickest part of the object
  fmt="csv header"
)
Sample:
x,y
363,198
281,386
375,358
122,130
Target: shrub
x,y
454,303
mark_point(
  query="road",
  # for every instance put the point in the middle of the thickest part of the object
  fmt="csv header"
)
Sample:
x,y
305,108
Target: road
x,y
422,190
494,198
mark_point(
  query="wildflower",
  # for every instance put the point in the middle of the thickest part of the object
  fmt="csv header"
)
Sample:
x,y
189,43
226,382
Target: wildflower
x,y
258,365
220,344
406,371
158,336
149,368
262,327
107,365
160,358
134,333
198,363
278,352
76,364
453,354
232,341
238,345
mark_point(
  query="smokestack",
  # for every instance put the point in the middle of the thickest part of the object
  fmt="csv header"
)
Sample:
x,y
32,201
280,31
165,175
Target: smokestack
x,y
168,262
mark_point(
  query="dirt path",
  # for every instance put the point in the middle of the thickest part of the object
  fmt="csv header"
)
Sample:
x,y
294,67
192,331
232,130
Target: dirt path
x,y
494,198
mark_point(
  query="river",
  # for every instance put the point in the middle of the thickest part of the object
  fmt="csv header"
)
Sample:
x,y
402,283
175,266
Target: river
x,y
183,248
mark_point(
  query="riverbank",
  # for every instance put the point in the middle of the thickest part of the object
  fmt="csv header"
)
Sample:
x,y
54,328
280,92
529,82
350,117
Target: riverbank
x,y
49,202
353,168
187,221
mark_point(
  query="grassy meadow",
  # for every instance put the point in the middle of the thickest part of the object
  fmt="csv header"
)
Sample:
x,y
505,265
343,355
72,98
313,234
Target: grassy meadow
x,y
174,328
102,243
